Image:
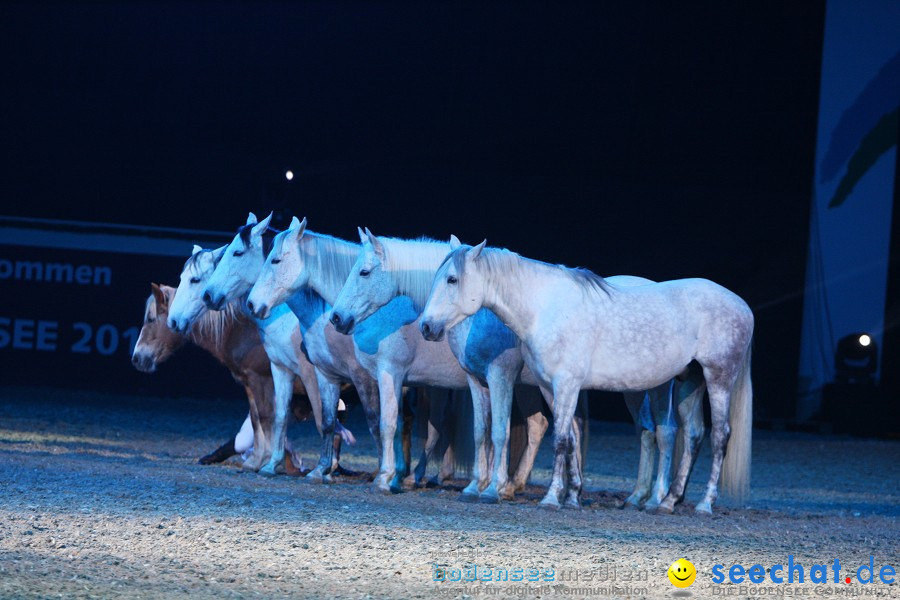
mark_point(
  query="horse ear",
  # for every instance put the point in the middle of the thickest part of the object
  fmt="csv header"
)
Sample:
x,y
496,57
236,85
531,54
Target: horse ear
x,y
362,235
301,227
475,252
158,294
454,242
376,243
196,249
261,227
251,219
169,292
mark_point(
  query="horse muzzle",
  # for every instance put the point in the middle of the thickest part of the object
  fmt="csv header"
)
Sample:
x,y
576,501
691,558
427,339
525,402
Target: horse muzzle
x,y
342,324
431,331
213,303
260,311
143,362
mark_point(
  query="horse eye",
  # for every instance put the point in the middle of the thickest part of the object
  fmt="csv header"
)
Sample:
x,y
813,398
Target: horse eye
x,y
275,261
451,280
195,280
364,273
238,252
150,319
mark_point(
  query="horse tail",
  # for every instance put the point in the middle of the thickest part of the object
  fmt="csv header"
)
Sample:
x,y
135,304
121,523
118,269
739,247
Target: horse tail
x,y
736,466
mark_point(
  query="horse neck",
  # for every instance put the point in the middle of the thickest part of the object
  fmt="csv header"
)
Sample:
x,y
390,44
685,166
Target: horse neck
x,y
308,306
329,261
412,265
212,330
517,290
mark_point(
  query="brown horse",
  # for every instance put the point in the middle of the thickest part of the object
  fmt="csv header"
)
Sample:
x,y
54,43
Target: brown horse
x,y
234,341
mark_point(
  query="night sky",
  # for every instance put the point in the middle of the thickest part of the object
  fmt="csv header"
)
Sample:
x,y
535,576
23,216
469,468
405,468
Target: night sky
x,y
653,139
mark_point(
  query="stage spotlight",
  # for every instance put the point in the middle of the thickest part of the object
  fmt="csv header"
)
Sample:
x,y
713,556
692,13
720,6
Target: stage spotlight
x,y
289,175
856,359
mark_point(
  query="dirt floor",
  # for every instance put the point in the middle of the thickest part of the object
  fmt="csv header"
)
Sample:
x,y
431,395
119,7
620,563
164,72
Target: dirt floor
x,y
102,497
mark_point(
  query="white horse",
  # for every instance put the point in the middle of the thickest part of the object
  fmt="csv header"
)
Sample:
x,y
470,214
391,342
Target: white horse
x,y
389,346
332,354
212,279
284,279
491,356
580,331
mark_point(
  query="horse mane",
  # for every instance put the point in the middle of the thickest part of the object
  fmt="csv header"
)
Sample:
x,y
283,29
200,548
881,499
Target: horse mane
x,y
412,264
329,259
244,232
510,264
213,324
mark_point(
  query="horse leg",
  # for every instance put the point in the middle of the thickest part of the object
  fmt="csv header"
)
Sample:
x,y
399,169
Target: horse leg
x,y
665,440
423,407
719,400
329,393
536,425
501,399
409,415
389,390
565,398
284,388
481,399
663,405
441,402
690,413
367,389
448,466
574,458
260,392
638,406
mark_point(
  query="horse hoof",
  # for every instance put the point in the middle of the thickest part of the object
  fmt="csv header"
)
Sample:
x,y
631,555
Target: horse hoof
x,y
489,499
339,470
663,509
573,504
704,508
316,476
267,471
384,490
552,505
629,505
468,498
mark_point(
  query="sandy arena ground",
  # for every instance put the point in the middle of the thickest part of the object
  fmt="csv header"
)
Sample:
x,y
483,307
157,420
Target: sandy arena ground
x,y
102,498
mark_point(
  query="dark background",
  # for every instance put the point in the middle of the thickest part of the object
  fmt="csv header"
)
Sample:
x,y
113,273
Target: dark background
x,y
656,139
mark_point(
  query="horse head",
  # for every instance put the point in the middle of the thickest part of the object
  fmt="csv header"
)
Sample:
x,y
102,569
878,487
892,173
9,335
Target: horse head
x,y
157,341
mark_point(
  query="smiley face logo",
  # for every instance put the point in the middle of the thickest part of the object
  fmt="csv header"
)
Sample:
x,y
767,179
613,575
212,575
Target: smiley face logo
x,y
682,573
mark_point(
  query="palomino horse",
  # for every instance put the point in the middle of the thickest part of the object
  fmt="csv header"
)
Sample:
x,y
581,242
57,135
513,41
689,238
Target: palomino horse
x,y
580,331
389,347
489,352
233,340
280,333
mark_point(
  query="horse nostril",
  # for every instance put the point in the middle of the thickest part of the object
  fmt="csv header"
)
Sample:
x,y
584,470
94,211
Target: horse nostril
x,y
207,298
250,306
335,319
135,360
426,329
